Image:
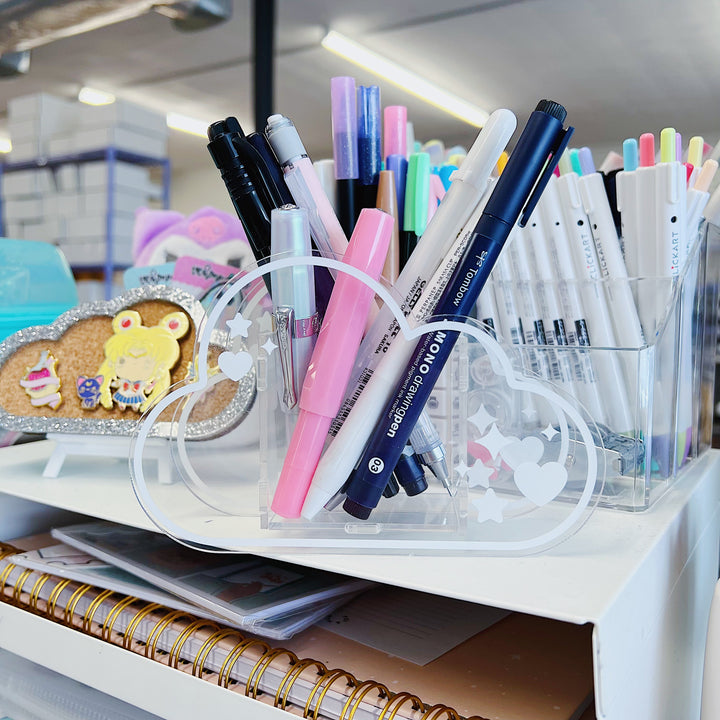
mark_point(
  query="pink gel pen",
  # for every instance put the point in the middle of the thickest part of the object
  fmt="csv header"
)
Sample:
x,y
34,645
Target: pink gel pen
x,y
332,360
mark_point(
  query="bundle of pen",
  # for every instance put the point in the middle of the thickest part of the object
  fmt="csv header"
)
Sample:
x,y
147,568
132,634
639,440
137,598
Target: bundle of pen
x,y
602,289
399,391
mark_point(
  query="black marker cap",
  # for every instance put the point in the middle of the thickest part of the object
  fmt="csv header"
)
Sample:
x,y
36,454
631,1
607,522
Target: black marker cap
x,y
410,474
552,108
356,509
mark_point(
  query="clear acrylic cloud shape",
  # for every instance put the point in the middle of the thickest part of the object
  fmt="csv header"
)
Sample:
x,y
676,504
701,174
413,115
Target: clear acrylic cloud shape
x,y
526,469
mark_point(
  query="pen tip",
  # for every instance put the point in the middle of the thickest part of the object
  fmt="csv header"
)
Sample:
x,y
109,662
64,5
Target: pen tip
x,y
552,108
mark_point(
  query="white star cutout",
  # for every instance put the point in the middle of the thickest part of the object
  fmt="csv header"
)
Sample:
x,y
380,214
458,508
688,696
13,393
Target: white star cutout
x,y
529,412
481,419
268,346
490,507
494,441
461,468
479,474
549,432
238,326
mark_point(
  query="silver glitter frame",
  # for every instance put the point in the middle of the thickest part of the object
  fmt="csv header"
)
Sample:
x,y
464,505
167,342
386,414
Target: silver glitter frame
x,y
227,419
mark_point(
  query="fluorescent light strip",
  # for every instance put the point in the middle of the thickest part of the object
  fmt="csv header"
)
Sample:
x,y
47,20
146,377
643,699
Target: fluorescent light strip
x,y
91,96
5,145
187,124
406,79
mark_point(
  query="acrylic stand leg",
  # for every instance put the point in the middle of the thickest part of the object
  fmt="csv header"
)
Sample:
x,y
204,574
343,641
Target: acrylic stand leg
x,y
102,446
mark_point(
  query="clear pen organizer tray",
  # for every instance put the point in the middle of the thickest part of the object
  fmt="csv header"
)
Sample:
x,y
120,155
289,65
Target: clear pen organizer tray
x,y
527,461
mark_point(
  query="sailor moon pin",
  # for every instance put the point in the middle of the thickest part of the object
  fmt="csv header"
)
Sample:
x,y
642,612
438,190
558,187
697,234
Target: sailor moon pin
x,y
138,360
41,382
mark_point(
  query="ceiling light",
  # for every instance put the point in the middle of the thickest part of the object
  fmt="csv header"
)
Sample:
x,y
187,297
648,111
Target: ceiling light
x,y
406,79
90,96
187,124
5,145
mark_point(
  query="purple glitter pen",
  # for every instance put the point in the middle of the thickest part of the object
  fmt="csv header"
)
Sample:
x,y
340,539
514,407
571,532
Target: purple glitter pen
x,y
345,148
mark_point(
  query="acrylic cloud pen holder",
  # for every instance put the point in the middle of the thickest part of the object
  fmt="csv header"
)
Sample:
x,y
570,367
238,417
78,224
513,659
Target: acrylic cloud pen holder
x,y
522,454
527,462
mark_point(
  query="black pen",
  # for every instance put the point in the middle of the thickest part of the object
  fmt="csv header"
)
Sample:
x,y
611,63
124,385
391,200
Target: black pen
x,y
236,175
248,163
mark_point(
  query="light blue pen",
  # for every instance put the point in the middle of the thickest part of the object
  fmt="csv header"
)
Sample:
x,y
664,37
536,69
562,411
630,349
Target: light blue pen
x,y
574,155
296,320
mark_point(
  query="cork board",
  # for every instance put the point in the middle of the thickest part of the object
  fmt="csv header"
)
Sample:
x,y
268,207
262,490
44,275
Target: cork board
x,y
79,350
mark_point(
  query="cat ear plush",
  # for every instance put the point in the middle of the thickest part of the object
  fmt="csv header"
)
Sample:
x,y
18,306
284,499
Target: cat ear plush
x,y
177,323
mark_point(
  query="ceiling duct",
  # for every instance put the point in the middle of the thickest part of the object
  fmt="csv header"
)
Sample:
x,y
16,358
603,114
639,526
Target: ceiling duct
x,y
27,24
14,64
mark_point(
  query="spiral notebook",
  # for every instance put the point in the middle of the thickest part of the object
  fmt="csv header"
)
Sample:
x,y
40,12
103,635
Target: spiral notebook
x,y
520,667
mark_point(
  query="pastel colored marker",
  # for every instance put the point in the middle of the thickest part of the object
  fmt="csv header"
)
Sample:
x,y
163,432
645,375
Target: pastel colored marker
x,y
345,147
395,131
332,360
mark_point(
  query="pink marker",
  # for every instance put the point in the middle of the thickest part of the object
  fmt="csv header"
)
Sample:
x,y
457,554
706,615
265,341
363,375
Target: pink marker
x,y
395,130
647,150
332,360
689,167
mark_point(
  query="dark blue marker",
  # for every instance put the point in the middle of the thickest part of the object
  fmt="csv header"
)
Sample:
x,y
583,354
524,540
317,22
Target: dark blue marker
x,y
517,191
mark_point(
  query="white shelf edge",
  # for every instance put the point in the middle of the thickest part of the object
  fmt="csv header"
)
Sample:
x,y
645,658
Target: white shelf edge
x,y
144,683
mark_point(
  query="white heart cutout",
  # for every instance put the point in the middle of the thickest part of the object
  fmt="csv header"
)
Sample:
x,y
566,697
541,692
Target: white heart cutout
x,y
235,365
540,483
527,450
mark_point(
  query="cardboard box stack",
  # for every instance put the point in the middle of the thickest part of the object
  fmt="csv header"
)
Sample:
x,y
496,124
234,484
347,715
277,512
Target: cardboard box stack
x,y
68,205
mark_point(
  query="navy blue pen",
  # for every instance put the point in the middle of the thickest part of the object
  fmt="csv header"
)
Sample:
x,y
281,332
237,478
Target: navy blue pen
x,y
515,195
399,165
369,146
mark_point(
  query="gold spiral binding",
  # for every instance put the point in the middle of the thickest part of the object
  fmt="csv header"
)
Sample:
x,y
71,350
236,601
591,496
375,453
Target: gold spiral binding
x,y
69,614
54,597
262,665
113,615
7,550
357,696
398,700
17,591
281,697
234,655
435,711
326,682
35,592
182,638
92,608
135,621
4,577
160,627
199,662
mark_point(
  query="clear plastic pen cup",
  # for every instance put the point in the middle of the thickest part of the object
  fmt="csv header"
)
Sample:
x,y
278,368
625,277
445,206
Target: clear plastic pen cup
x,y
535,436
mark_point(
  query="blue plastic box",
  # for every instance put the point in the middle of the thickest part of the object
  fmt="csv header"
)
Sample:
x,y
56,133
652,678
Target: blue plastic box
x,y
36,285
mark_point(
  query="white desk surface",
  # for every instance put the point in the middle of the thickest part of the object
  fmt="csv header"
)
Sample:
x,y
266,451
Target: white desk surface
x,y
576,581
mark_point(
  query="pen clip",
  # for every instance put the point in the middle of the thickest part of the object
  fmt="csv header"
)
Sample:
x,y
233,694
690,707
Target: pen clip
x,y
543,180
284,321
287,329
254,164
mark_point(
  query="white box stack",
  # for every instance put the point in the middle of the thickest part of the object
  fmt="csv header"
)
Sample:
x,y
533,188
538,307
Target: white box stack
x,y
69,205
122,125
34,120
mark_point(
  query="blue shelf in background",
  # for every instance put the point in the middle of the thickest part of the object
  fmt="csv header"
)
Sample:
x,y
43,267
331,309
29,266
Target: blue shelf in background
x,y
111,155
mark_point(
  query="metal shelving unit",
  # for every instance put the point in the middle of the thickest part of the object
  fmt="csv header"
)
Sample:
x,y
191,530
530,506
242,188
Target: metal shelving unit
x,y
112,156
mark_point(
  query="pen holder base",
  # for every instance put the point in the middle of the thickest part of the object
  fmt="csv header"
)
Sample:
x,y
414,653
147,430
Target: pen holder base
x,y
526,461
